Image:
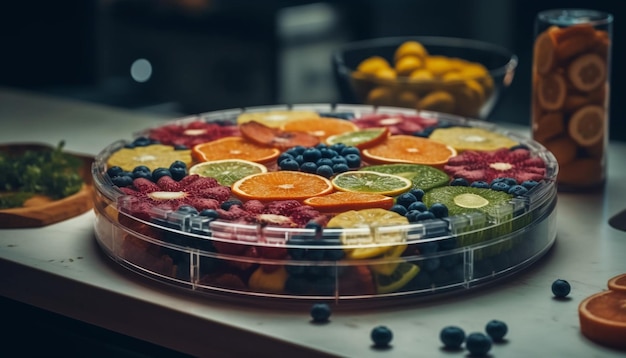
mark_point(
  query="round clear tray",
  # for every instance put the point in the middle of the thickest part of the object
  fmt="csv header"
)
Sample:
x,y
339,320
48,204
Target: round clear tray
x,y
441,256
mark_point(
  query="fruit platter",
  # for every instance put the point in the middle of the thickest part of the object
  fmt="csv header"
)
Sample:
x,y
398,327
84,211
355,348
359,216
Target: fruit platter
x,y
327,202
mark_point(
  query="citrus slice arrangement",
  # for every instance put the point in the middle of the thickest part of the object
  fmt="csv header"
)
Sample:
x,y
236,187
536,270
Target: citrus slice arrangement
x,y
339,204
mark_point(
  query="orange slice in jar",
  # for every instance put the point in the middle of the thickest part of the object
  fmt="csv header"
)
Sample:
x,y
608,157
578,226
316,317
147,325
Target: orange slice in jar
x,y
587,72
233,148
544,53
409,149
281,185
551,91
586,126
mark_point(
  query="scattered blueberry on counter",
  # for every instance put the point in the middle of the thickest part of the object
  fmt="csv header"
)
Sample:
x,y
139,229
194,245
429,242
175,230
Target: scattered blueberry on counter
x,y
320,312
496,330
381,336
452,337
478,344
561,288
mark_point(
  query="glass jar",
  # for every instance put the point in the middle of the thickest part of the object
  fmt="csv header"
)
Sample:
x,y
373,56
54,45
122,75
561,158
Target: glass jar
x,y
570,93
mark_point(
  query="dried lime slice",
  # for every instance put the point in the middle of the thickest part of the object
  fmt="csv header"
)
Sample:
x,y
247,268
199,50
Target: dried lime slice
x,y
364,181
423,177
227,171
363,138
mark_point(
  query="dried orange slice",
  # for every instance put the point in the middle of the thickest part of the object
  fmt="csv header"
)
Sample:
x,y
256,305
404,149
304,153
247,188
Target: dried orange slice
x,y
586,126
361,139
261,134
341,201
409,149
234,148
603,318
276,118
281,185
551,91
322,127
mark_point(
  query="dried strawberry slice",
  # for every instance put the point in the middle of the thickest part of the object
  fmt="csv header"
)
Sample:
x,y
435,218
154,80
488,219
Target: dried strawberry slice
x,y
397,123
502,163
192,133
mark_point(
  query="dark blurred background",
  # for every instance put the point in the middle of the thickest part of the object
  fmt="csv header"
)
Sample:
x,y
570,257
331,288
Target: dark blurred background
x,y
178,57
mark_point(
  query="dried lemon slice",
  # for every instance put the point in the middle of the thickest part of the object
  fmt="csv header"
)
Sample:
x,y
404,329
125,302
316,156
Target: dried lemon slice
x,y
275,119
153,156
472,138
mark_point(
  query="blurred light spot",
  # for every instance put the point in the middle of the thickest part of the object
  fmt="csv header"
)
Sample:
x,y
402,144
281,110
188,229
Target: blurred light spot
x,y
141,70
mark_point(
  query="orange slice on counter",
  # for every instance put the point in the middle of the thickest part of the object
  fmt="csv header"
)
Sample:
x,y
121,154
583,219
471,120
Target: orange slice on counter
x,y
603,315
603,318
618,283
341,201
281,185
321,127
234,148
409,149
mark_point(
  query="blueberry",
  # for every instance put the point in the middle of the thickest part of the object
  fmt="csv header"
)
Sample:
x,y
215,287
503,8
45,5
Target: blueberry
x,y
320,312
297,150
338,159
308,167
325,170
337,147
178,170
324,161
561,288
345,151
480,184
417,205
500,186
417,193
210,213
353,160
452,337
406,199
142,171
381,336
459,182
299,159
122,180
478,344
517,190
180,147
228,203
529,184
496,330
329,153
411,215
509,181
400,209
519,146
321,146
440,210
425,133
424,215
160,172
289,164
340,168
141,142
311,154
283,156
114,171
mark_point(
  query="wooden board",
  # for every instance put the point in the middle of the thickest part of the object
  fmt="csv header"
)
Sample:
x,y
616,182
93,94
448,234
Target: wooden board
x,y
41,211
